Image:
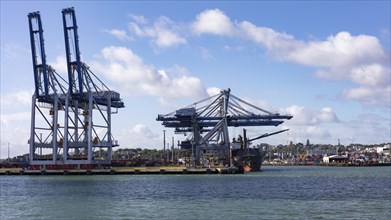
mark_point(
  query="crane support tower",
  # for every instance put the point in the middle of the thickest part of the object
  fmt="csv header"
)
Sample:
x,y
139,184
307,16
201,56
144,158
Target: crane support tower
x,y
208,121
83,136
46,138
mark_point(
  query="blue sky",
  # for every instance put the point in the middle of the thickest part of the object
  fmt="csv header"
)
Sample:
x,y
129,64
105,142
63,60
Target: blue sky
x,y
326,63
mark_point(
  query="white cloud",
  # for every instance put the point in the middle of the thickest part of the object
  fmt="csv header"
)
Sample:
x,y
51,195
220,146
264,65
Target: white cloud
x,y
15,132
60,65
318,132
213,91
370,75
212,21
267,37
360,59
10,119
374,85
164,32
19,99
142,130
139,19
303,116
327,115
120,34
340,50
370,96
140,136
124,67
169,105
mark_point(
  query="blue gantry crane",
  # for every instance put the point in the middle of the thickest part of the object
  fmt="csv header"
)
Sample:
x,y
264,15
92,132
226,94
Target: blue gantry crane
x,y
83,135
47,102
209,119
88,128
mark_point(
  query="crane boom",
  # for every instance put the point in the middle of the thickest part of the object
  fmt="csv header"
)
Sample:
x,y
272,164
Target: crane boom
x,y
267,135
73,63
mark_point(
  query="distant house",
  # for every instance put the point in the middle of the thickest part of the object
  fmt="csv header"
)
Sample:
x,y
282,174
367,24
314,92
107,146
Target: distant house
x,y
384,150
335,159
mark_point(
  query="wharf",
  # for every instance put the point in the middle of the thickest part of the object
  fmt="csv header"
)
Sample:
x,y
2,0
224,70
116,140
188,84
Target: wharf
x,y
122,171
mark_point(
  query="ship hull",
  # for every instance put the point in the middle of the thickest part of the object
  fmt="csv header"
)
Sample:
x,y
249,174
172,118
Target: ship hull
x,y
250,159
252,164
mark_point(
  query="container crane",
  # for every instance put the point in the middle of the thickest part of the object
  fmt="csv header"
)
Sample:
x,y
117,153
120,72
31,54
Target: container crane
x,y
85,102
209,119
91,102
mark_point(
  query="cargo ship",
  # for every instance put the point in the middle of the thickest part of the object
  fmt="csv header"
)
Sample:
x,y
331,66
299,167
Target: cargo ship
x,y
250,159
244,156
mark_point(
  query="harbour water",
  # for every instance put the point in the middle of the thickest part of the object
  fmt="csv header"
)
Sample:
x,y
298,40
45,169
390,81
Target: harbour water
x,y
280,192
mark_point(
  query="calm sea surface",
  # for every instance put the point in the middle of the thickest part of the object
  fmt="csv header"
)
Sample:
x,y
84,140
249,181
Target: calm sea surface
x,y
274,193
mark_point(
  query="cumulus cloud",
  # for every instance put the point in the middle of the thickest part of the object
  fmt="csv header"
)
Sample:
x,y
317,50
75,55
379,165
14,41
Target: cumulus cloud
x,y
370,75
139,136
304,116
142,130
213,91
164,32
340,50
21,97
212,21
60,65
126,68
374,85
318,132
267,37
370,96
